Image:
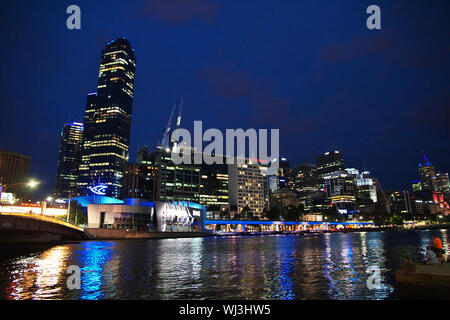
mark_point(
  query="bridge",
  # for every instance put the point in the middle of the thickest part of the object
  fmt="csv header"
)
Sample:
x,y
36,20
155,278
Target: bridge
x,y
27,228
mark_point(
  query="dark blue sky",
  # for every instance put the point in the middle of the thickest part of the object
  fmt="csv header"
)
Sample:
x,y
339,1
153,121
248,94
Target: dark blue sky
x,y
310,68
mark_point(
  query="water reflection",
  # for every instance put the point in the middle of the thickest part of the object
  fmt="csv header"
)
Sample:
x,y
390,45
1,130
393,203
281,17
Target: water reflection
x,y
37,277
93,259
328,266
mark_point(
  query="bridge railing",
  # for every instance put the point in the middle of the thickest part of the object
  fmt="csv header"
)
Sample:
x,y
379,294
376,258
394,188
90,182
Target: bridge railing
x,y
42,218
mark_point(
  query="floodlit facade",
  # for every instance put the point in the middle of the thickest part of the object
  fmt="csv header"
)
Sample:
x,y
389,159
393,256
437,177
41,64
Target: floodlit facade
x,y
108,119
247,186
143,216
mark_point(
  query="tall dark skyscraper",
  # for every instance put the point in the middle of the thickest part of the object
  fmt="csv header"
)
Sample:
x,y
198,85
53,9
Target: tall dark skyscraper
x,y
69,160
107,121
14,173
329,162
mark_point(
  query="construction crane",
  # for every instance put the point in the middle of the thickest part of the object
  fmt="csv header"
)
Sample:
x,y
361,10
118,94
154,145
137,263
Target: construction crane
x,y
165,143
180,110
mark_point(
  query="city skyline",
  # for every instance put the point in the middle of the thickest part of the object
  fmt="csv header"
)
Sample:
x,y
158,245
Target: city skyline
x,y
388,145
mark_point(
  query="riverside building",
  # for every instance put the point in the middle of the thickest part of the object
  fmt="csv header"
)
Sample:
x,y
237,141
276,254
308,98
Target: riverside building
x,y
107,121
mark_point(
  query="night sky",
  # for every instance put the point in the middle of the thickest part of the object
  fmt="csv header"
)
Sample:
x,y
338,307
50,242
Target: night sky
x,y
310,68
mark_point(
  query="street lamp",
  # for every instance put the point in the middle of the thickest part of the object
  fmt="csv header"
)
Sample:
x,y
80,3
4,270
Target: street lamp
x,y
32,184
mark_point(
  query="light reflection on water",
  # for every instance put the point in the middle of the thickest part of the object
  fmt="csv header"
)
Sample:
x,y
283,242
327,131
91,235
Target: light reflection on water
x,y
327,266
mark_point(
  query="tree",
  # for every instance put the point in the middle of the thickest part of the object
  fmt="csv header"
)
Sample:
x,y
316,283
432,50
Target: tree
x,y
272,213
379,220
291,213
225,214
396,220
247,213
237,216
76,214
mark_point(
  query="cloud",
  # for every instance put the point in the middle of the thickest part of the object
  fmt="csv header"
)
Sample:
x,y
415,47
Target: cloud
x,y
265,107
358,46
227,81
177,12
433,116
232,84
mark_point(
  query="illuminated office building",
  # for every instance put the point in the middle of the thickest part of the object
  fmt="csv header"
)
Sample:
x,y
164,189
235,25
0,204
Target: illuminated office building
x,y
138,181
14,173
283,173
69,160
305,178
327,163
340,190
282,178
443,185
427,174
247,185
340,187
175,182
107,121
416,185
214,186
400,202
365,186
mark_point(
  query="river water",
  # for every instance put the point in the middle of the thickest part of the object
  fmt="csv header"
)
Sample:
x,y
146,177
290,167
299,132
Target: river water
x,y
323,266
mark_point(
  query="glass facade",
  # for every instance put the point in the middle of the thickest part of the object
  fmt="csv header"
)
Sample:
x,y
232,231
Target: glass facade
x,y
107,121
327,163
69,160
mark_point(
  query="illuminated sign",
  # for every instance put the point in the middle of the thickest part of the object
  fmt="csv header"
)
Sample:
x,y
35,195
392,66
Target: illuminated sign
x,y
4,196
100,189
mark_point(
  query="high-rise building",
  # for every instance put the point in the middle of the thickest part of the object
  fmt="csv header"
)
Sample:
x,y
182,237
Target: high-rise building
x,y
365,186
443,185
429,196
283,173
340,190
329,162
214,186
305,178
14,173
69,160
280,180
175,182
340,187
416,185
427,174
138,181
247,184
107,120
400,202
